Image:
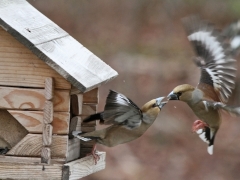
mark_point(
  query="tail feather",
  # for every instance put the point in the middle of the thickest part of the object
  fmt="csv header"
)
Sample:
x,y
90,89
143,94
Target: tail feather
x,y
77,134
94,117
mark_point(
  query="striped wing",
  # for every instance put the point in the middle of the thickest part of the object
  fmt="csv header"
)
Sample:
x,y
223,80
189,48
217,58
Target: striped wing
x,y
121,110
213,57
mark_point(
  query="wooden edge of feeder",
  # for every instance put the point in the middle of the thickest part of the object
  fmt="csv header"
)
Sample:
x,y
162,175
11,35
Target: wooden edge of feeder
x,y
85,166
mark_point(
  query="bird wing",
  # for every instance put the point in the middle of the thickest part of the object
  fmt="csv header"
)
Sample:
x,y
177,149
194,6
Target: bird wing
x,y
233,110
213,57
232,35
121,110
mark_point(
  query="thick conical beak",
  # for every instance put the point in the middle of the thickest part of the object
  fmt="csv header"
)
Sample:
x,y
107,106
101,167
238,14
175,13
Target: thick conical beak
x,y
172,96
159,102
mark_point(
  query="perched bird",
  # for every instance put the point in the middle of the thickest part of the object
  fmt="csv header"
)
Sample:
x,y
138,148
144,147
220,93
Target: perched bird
x,y
214,57
127,121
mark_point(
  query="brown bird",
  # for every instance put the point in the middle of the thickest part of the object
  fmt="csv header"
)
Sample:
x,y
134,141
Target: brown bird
x,y
127,121
217,80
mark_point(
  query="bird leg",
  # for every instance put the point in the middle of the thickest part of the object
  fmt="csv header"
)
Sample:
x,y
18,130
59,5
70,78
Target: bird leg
x,y
96,157
198,124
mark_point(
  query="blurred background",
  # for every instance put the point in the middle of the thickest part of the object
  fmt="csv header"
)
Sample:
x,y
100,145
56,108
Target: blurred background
x,y
145,42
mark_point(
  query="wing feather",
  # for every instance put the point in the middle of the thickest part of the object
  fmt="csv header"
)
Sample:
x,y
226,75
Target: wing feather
x,y
121,110
213,57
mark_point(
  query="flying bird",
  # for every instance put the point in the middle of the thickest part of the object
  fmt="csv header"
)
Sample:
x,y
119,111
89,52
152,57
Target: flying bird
x,y
127,121
218,71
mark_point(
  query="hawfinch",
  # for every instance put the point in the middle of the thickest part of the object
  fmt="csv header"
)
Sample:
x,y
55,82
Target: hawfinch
x,y
127,121
217,79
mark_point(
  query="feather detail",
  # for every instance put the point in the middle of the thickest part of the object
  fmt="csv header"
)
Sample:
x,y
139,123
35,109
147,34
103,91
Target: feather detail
x,y
213,57
121,110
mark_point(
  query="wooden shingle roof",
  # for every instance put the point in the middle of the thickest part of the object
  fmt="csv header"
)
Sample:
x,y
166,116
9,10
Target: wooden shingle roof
x,y
53,45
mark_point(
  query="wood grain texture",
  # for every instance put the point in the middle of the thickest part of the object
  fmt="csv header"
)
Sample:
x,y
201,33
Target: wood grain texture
x,y
88,109
49,88
30,171
32,121
20,67
76,104
54,46
28,160
32,99
11,131
47,134
85,166
31,145
72,127
73,149
91,97
77,119
48,112
46,155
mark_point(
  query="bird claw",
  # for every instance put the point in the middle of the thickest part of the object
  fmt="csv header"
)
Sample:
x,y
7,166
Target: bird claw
x,y
199,125
96,157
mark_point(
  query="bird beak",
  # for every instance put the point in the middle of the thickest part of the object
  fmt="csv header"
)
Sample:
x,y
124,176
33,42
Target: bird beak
x,y
173,96
159,102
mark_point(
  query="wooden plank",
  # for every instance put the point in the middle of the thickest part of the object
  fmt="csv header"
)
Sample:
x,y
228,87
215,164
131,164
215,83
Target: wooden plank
x,y
85,166
49,89
46,155
76,104
78,119
48,112
47,134
73,149
11,131
88,109
72,127
32,121
87,144
54,46
32,99
30,171
28,160
91,96
20,67
31,145
85,151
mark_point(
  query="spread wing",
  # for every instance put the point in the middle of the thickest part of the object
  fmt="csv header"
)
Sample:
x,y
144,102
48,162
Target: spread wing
x,y
213,57
121,110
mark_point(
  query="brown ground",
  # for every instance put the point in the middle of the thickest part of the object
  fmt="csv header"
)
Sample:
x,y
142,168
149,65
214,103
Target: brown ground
x,y
145,42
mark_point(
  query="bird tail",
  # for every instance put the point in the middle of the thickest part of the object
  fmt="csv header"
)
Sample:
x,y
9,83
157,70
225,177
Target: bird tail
x,y
77,134
208,136
94,117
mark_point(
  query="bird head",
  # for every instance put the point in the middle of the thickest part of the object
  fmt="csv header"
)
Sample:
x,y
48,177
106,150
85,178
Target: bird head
x,y
182,92
151,109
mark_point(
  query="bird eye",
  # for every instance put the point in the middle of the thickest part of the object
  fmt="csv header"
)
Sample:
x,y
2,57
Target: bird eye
x,y
179,94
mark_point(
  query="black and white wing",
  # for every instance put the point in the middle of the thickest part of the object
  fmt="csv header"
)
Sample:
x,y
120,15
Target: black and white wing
x,y
232,35
213,56
121,110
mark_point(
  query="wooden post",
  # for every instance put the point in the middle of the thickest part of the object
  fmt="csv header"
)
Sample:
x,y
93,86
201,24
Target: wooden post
x,y
47,120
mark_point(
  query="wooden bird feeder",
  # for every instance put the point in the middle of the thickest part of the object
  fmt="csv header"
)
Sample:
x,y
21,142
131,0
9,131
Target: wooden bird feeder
x,y
48,83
